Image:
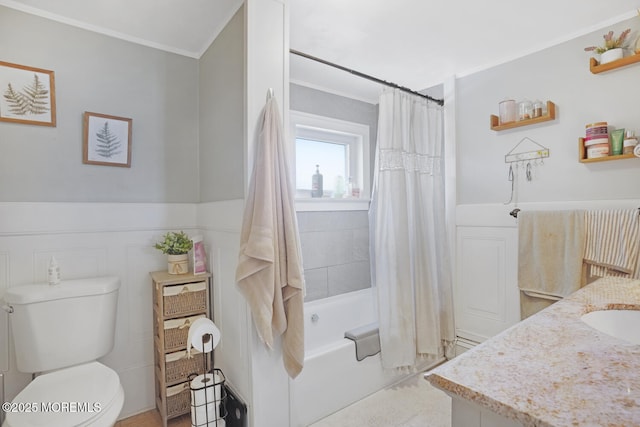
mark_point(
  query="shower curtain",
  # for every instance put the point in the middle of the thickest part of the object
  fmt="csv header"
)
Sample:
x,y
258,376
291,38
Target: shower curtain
x,y
410,260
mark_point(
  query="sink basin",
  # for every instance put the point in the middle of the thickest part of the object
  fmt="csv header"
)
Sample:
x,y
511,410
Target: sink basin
x,y
622,324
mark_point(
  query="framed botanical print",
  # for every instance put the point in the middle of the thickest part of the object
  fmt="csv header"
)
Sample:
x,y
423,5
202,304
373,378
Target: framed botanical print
x,y
27,95
107,140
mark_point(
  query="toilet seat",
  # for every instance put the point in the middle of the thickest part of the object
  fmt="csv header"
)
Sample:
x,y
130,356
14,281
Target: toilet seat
x,y
83,395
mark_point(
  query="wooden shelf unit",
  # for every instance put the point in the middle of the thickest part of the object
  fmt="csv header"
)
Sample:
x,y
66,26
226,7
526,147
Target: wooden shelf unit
x,y
582,155
551,115
597,68
185,316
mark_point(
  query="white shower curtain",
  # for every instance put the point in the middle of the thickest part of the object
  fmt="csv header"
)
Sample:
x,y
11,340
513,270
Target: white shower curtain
x,y
410,260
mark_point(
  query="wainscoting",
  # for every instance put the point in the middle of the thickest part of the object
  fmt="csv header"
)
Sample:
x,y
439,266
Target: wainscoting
x,y
487,299
93,239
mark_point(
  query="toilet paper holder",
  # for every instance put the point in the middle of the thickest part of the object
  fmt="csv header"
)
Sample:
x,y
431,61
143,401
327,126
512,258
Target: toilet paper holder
x,y
208,394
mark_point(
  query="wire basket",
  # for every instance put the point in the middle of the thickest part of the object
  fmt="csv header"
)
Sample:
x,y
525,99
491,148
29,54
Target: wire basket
x,y
208,399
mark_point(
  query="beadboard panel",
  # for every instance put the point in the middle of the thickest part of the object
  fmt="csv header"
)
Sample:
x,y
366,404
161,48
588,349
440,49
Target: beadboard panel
x,y
95,239
486,288
220,223
77,262
52,218
487,299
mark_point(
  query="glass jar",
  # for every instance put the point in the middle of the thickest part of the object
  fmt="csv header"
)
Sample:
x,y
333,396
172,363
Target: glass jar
x,y
525,110
507,111
538,109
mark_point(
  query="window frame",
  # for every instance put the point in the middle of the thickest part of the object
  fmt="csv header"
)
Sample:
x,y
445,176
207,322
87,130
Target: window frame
x,y
307,124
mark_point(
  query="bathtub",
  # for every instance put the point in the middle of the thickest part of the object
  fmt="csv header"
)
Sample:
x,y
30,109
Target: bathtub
x,y
332,378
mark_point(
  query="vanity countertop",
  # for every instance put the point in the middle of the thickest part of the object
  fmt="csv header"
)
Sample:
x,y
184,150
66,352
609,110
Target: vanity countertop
x,y
552,369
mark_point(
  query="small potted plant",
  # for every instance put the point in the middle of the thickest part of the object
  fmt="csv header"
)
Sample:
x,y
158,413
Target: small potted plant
x,y
176,245
612,48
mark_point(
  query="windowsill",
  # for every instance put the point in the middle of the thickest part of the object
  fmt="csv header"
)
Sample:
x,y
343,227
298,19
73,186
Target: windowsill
x,y
310,205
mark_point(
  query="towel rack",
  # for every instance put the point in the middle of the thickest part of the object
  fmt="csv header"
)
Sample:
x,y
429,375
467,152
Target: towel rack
x,y
540,295
514,213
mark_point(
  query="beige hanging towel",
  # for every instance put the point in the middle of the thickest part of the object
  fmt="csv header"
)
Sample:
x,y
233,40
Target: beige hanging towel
x,y
550,250
269,272
613,242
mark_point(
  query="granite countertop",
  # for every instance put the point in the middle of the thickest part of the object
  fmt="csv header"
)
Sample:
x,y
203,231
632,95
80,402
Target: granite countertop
x,y
552,369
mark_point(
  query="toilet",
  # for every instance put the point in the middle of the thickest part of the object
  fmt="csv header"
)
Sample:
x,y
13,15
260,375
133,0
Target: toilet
x,y
59,332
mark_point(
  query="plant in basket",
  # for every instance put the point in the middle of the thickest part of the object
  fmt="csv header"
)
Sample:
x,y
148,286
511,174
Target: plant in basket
x,y
176,245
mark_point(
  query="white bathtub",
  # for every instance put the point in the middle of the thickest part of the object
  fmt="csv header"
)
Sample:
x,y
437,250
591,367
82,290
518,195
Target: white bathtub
x,y
332,378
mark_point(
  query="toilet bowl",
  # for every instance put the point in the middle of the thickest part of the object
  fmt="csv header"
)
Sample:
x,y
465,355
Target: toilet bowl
x,y
84,395
60,331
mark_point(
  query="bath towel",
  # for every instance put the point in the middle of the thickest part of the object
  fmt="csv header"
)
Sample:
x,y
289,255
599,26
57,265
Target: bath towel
x,y
550,251
613,242
269,272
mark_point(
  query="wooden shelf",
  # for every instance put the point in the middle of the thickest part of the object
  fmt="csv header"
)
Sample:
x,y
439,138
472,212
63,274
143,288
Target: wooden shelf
x,y
185,309
622,62
582,155
551,115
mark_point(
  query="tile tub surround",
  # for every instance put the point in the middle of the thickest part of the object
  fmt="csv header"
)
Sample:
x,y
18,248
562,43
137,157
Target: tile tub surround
x,y
554,370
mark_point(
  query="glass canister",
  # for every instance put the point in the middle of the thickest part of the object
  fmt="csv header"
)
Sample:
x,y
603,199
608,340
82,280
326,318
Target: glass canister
x,y
538,109
507,111
525,110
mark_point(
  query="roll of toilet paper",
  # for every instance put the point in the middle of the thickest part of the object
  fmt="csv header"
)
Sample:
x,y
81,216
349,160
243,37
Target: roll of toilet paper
x,y
206,398
636,151
205,389
199,331
201,416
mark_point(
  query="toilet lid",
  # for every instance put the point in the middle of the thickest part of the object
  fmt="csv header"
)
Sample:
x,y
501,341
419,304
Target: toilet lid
x,y
67,397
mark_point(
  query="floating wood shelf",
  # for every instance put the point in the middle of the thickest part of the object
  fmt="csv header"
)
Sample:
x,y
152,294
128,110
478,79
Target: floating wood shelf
x,y
551,115
582,155
601,68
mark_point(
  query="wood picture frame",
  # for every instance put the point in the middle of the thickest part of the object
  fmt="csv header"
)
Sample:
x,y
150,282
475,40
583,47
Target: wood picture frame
x,y
107,140
27,95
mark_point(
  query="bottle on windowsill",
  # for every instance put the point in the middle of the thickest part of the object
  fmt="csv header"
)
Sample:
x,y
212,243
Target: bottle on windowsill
x,y
316,183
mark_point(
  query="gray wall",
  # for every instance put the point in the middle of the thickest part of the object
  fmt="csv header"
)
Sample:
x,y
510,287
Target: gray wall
x,y
335,245
221,114
96,73
560,74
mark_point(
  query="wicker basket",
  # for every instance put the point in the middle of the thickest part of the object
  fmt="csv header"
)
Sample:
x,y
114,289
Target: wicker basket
x,y
185,299
176,332
178,400
178,366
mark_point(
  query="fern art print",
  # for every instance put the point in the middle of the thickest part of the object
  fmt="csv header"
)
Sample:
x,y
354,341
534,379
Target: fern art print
x,y
107,140
27,95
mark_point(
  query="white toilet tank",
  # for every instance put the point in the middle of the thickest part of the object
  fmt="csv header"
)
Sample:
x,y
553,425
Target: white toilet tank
x,y
56,326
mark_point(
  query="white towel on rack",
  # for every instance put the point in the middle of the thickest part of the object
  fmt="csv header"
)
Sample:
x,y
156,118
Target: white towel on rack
x,y
550,250
269,272
613,242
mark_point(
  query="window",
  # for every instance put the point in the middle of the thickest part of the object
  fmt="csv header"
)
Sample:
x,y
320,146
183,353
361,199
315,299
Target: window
x,y
339,151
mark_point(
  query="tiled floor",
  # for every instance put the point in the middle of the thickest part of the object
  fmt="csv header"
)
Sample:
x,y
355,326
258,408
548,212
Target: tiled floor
x,y
412,403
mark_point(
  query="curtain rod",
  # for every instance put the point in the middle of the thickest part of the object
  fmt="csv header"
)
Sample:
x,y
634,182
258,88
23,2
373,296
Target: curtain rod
x,y
366,76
